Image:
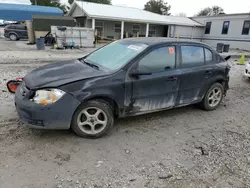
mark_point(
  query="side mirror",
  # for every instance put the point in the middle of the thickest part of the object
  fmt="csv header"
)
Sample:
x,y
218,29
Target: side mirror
x,y
12,85
136,72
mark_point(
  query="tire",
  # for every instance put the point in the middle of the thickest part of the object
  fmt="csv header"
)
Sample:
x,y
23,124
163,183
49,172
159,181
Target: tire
x,y
213,97
93,119
13,37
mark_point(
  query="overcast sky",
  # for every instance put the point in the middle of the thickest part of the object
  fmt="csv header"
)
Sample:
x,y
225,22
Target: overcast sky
x,y
190,7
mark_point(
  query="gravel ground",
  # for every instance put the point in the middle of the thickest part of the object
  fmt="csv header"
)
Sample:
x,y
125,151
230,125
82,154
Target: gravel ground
x,y
185,147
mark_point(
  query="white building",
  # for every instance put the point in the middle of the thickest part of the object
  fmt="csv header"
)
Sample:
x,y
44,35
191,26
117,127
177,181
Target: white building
x,y
230,29
116,22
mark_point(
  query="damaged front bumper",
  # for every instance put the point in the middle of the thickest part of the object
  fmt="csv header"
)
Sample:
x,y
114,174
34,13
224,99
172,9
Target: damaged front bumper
x,y
53,116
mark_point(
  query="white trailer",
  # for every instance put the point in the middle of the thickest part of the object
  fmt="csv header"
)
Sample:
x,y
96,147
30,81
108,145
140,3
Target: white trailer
x,y
79,36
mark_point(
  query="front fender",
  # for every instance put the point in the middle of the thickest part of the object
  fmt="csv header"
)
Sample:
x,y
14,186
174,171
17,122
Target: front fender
x,y
109,88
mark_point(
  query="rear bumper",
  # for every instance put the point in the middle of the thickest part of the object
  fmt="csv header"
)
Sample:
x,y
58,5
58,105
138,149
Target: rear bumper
x,y
6,35
247,70
54,116
226,86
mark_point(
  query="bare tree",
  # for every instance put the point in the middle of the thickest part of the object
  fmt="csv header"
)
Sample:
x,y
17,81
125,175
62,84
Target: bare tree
x,y
181,14
210,11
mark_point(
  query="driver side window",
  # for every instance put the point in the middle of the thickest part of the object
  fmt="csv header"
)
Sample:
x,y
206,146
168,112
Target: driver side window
x,y
159,60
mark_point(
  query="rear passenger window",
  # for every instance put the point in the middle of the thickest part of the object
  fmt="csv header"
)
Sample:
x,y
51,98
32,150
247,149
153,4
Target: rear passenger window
x,y
21,27
192,56
208,55
159,60
12,27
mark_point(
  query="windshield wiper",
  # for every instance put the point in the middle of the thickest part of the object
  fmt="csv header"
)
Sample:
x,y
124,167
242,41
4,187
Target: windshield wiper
x,y
91,64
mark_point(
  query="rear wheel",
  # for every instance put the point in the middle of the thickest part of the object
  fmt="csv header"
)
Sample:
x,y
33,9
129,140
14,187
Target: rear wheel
x,y
13,37
213,97
93,119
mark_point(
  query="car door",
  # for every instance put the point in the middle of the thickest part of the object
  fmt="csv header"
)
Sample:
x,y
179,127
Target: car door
x,y
23,31
11,29
193,74
157,87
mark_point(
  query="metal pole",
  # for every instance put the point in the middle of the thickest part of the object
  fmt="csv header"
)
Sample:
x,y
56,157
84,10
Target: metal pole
x,y
35,2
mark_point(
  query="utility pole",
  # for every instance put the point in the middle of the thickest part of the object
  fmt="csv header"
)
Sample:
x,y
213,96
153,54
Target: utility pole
x,y
35,2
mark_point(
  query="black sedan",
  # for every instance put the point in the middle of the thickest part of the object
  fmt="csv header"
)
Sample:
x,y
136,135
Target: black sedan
x,y
125,78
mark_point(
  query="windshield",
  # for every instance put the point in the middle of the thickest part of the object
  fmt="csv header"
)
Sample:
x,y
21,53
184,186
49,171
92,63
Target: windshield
x,y
115,55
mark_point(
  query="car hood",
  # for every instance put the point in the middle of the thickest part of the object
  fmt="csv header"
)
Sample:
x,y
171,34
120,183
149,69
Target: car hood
x,y
57,74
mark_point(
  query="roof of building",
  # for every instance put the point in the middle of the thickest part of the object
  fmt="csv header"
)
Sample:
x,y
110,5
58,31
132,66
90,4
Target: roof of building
x,y
223,15
19,12
111,12
158,40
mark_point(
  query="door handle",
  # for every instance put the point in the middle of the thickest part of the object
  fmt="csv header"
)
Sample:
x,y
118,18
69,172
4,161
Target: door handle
x,y
171,78
208,72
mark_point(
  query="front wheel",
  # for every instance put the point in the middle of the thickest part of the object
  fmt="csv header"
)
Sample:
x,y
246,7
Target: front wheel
x,y
93,119
213,97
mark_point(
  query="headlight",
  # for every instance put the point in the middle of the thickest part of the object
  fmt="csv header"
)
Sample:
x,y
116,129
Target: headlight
x,y
47,96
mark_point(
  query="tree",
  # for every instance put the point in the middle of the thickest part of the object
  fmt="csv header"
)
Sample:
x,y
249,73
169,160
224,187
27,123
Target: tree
x,y
204,12
158,7
49,3
181,14
94,1
210,11
217,10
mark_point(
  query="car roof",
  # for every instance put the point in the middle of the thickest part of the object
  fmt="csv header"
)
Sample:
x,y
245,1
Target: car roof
x,y
151,41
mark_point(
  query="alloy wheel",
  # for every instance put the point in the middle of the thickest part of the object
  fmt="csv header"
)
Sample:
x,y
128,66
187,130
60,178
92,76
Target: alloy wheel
x,y
92,120
214,97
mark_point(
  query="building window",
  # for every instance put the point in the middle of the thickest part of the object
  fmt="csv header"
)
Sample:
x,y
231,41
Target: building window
x,y
152,31
208,27
225,27
246,26
118,27
99,26
136,28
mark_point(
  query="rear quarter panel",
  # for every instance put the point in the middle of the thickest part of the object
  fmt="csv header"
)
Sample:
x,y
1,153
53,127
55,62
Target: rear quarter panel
x,y
218,75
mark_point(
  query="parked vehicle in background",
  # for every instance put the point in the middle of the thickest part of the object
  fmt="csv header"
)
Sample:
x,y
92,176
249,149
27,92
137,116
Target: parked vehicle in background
x,y
15,32
247,70
124,78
